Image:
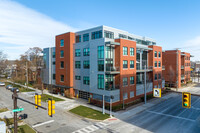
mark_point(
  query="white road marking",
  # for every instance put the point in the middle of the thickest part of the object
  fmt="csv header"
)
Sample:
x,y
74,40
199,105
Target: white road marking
x,y
171,116
195,108
47,122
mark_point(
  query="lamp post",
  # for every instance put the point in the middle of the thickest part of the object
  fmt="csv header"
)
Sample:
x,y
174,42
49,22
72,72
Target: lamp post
x,y
111,97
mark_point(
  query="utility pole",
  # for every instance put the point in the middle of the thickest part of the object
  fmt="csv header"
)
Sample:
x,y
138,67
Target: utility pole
x,y
145,84
198,76
103,106
177,69
26,74
15,107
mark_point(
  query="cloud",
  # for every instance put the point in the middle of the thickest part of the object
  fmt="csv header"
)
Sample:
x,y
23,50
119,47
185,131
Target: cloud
x,y
23,27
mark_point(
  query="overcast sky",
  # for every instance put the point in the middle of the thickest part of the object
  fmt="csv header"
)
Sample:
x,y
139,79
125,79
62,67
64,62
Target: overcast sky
x,y
29,23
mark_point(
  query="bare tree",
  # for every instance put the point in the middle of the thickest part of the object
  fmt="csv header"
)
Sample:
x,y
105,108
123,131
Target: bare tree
x,y
2,62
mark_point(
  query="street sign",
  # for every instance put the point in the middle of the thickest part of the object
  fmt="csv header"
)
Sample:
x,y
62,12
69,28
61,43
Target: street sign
x,y
156,92
18,110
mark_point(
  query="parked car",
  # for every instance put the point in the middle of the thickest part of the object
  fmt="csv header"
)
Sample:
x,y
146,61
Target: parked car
x,y
2,84
9,87
17,89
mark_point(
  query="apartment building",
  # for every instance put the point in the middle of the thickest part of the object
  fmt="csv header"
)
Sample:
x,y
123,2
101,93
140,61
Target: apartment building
x,y
101,62
177,67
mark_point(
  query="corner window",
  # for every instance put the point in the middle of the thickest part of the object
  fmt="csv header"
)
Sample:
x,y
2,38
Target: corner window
x,y
86,52
96,34
61,54
131,51
155,54
77,52
125,81
86,64
62,78
132,80
125,64
86,80
78,38
100,81
78,64
61,42
132,64
125,50
85,37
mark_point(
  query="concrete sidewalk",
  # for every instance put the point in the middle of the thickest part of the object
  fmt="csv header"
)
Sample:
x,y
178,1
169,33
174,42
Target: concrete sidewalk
x,y
7,114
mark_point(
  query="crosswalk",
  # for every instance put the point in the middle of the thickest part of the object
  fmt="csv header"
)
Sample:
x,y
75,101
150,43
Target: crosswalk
x,y
91,128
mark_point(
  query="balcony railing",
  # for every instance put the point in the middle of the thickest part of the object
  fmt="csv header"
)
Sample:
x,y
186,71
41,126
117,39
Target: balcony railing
x,y
142,69
110,88
112,70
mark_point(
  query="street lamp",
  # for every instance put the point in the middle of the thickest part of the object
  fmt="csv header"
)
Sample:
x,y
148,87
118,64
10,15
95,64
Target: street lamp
x,y
111,97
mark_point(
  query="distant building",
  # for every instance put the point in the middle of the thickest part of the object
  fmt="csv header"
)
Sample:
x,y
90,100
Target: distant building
x,y
102,62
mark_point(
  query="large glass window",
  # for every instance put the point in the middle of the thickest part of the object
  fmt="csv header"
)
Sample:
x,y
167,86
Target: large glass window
x,y
159,76
159,54
61,42
100,65
132,64
77,77
132,80
156,77
62,64
125,81
78,64
109,52
86,64
61,53
100,81
125,64
78,38
86,80
54,55
97,34
100,52
155,63
86,37
125,50
54,76
108,34
155,54
131,51
62,78
77,52
122,36
159,64
86,51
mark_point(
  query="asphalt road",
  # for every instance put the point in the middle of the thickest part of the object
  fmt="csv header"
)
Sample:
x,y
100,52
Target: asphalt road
x,y
61,122
165,117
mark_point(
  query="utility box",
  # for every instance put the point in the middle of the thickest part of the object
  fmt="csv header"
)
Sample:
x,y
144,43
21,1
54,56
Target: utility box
x,y
2,127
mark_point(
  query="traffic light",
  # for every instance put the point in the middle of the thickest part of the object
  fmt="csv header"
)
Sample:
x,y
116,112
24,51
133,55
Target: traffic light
x,y
37,100
51,107
186,100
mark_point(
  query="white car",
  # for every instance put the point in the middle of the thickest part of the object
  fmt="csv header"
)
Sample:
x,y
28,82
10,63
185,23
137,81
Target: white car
x,y
2,84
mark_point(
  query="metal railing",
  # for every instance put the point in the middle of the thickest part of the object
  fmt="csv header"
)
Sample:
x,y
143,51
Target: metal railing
x,y
110,88
112,68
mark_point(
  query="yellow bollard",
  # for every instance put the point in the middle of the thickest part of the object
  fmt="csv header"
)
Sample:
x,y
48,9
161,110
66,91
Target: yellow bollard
x,y
77,96
88,100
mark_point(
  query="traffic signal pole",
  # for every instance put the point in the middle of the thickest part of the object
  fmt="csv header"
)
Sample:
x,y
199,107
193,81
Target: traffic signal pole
x,y
15,97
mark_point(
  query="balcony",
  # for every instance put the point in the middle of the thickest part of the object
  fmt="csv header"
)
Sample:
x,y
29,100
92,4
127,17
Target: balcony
x,y
110,43
142,69
112,87
182,67
182,77
112,70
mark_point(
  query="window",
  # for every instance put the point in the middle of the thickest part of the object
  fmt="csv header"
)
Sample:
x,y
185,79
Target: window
x,y
86,80
125,96
61,53
100,52
62,64
78,38
132,80
85,37
125,51
108,34
100,81
155,53
131,94
159,64
100,65
78,64
86,64
77,52
61,42
86,51
125,64
125,81
122,36
54,55
54,76
156,77
159,76
155,63
97,34
131,51
62,78
159,54
77,77
54,62
132,64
